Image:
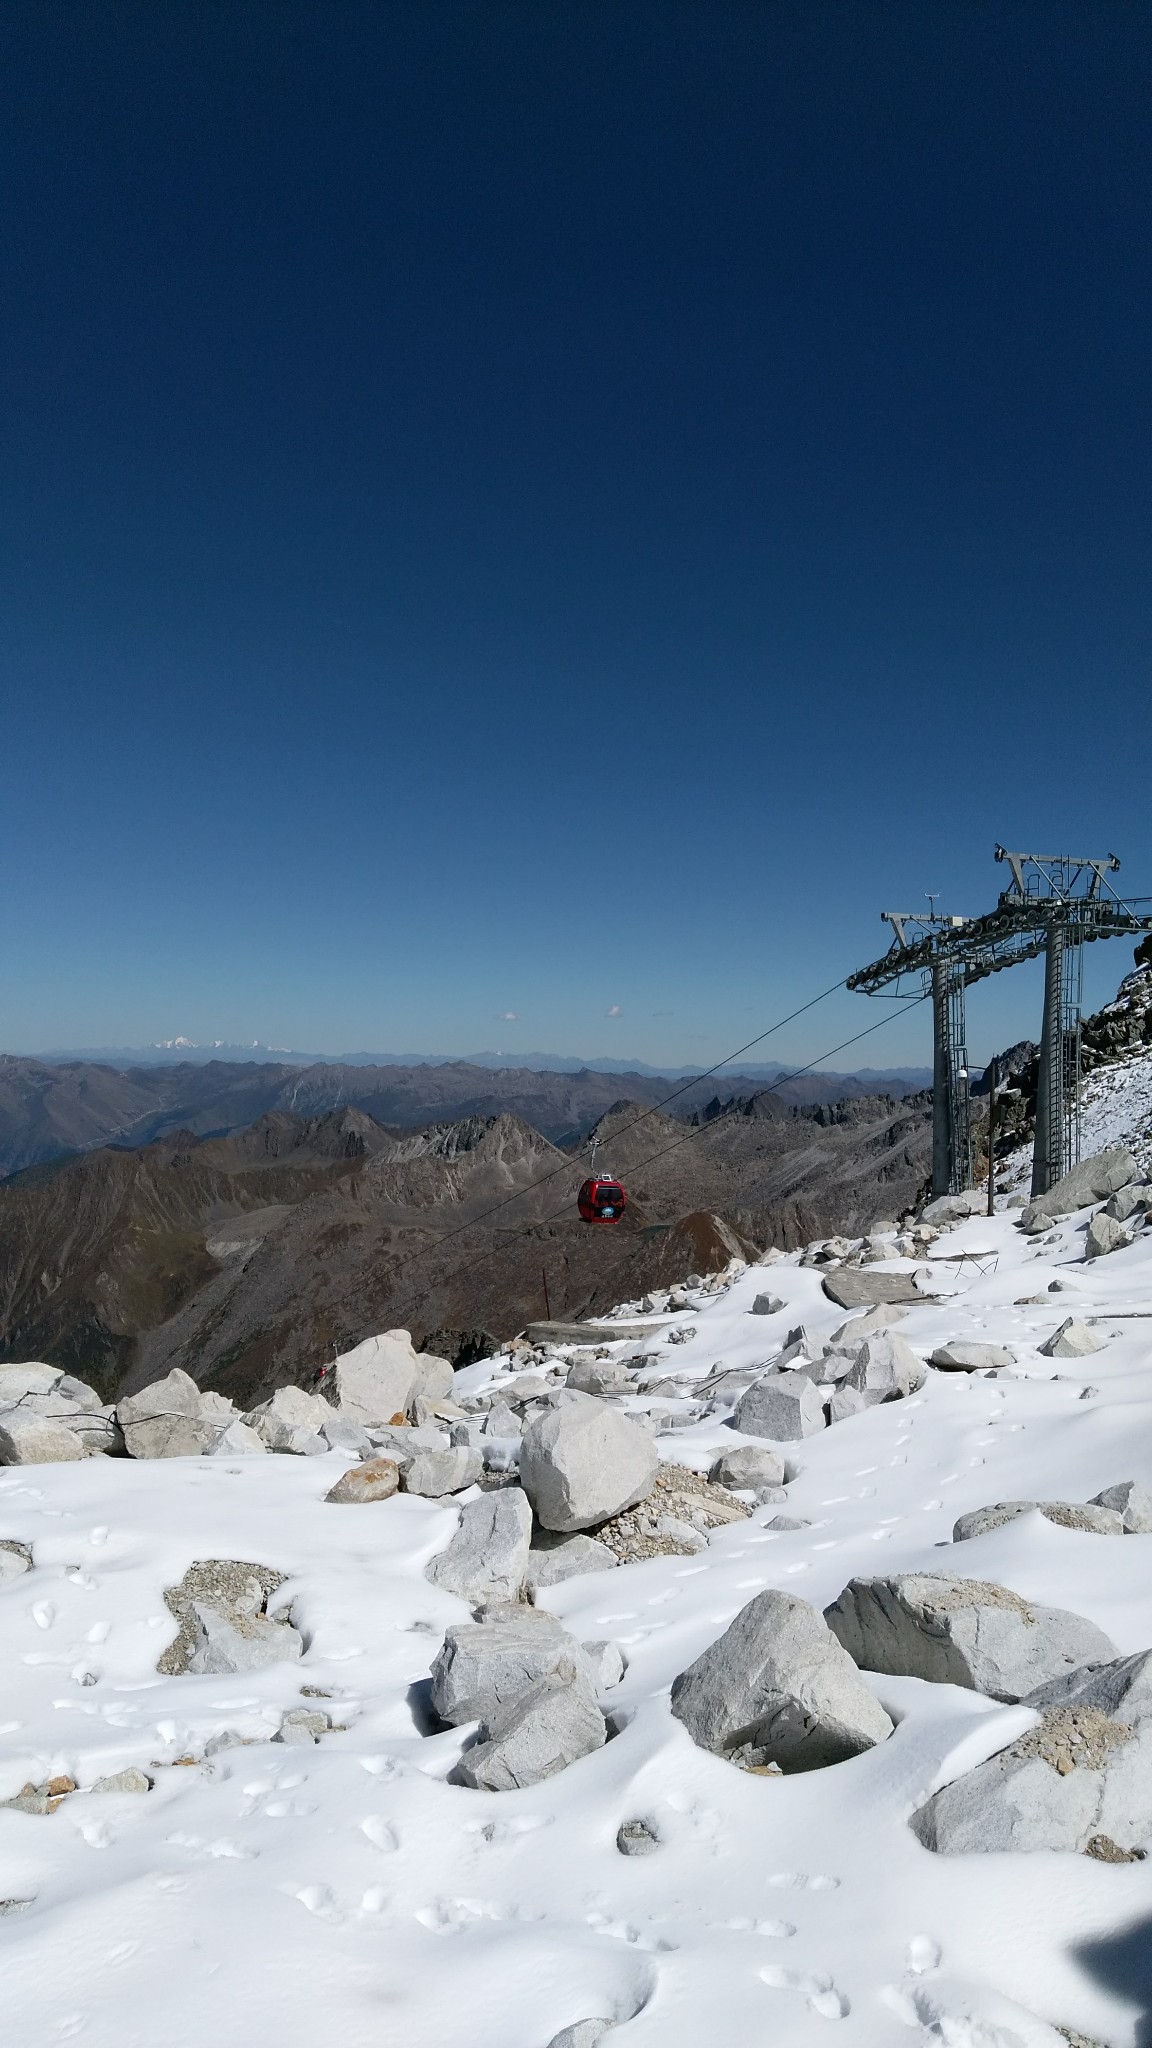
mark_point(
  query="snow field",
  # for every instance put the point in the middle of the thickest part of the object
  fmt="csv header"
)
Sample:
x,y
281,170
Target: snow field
x,y
346,1893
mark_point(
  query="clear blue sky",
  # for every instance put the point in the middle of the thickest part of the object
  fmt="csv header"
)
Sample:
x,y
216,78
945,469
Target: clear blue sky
x,y
560,508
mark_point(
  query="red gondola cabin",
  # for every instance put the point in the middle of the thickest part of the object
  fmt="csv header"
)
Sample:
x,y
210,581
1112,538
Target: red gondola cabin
x,y
601,1201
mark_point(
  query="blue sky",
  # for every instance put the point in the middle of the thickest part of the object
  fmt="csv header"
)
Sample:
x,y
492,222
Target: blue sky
x,y
528,525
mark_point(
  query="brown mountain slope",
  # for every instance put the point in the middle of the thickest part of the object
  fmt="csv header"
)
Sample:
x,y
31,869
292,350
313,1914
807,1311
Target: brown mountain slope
x,y
247,1259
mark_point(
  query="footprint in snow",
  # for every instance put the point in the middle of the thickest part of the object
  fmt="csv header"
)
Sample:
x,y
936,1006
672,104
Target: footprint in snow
x,y
318,1899
380,1832
821,1992
922,1954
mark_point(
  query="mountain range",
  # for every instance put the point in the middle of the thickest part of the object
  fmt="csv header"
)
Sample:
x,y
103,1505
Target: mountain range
x,y
50,1109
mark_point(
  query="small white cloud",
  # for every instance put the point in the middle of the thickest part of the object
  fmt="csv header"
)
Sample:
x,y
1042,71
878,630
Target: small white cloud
x,y
615,1011
507,1016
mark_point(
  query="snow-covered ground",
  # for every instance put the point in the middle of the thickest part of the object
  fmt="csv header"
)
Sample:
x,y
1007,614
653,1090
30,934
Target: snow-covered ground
x,y
347,1894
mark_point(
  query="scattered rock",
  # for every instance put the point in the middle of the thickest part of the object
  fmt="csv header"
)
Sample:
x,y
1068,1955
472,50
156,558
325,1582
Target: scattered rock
x,y
600,1377
766,1305
1122,1689
544,1730
1072,1340
41,1798
637,1838
782,1523
1093,1180
957,1631
783,1409
482,1667
436,1473
1132,1502
963,1356
302,1726
585,2034
779,1681
375,1479
850,1335
674,1519
488,1556
606,1663
1104,1235
550,1563
221,1606
15,1560
847,1401
748,1466
1092,1519
130,1780
584,1461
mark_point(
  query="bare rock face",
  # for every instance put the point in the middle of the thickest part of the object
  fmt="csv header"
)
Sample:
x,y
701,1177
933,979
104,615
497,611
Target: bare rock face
x,y
488,1557
778,1683
961,1632
1089,1518
375,1479
166,1419
541,1732
221,1606
583,1462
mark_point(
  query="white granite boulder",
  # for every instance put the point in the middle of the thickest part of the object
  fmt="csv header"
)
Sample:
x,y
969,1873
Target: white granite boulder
x,y
584,1461
958,1631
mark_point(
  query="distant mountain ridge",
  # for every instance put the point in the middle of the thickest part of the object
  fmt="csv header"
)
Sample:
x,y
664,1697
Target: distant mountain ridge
x,y
187,1052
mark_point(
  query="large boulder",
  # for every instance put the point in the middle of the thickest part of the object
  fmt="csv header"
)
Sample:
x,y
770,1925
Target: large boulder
x,y
29,1440
1132,1502
963,1355
378,1380
549,1564
583,1462
482,1666
1093,1180
375,1479
1122,1689
886,1369
539,1733
436,1473
1129,1201
166,1419
47,1394
784,1409
488,1556
1072,1340
1080,1780
1091,1519
1104,1235
860,1287
956,1208
779,1685
221,1605
961,1632
748,1465
293,1420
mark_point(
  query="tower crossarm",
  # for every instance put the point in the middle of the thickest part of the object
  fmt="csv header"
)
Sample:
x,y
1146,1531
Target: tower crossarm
x,y
1016,930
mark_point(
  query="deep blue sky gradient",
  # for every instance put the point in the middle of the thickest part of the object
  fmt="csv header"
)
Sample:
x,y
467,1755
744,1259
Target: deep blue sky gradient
x,y
555,507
